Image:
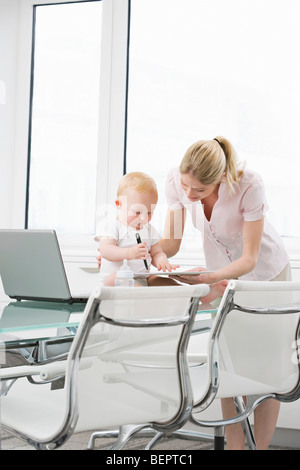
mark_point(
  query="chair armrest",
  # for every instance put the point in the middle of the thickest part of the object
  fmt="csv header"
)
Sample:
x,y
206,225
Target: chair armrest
x,y
18,372
46,372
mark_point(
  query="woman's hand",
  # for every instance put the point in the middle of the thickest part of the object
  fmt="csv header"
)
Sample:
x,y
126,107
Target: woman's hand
x,y
201,279
216,288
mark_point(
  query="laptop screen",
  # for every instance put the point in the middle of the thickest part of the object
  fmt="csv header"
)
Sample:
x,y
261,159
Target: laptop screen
x,y
31,265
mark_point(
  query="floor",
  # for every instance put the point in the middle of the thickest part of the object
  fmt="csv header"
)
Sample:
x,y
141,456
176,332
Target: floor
x,y
79,442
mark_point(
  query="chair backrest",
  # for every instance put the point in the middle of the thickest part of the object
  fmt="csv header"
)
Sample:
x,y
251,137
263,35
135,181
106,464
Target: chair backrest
x,y
117,323
253,347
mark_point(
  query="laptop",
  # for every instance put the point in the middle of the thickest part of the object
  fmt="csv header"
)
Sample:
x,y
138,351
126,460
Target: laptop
x,y
32,268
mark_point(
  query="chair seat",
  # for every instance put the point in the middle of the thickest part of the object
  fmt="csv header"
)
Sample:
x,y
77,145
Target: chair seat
x,y
162,357
41,413
38,416
230,382
165,383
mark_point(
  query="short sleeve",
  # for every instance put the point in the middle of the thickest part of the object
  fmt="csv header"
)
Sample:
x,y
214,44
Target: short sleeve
x,y
107,229
154,235
172,190
254,204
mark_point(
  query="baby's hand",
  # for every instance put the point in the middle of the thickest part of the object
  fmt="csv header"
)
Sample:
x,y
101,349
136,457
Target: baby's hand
x,y
139,251
162,263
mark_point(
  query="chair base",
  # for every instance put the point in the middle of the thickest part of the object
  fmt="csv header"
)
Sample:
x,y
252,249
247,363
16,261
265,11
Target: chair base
x,y
219,438
158,436
123,435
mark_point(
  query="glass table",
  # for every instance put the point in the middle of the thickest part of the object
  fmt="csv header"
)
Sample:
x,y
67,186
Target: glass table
x,y
34,326
32,332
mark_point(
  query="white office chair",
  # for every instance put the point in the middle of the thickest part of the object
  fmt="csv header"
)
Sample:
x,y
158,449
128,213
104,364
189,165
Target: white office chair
x,y
252,351
115,319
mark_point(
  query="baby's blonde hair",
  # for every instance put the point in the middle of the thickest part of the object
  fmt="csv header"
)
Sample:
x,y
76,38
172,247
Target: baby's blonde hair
x,y
208,160
138,181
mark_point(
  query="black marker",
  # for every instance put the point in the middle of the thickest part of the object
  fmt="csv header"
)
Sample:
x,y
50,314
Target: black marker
x,y
138,239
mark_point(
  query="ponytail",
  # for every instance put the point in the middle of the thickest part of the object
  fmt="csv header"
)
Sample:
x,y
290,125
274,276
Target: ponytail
x,y
232,173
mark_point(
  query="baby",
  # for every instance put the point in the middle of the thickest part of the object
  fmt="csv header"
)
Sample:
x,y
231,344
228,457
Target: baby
x,y
136,200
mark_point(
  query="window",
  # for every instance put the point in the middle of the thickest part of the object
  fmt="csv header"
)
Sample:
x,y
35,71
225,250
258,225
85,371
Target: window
x,y
62,178
203,68
2,92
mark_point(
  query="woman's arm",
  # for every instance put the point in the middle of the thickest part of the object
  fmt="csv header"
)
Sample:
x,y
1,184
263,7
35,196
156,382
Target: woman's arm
x,y
173,232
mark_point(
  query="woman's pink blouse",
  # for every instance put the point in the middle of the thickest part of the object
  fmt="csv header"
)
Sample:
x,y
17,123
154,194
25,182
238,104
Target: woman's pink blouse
x,y
222,234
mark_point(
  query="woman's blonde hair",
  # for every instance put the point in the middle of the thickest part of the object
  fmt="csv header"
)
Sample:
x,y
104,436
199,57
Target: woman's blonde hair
x,y
208,160
138,181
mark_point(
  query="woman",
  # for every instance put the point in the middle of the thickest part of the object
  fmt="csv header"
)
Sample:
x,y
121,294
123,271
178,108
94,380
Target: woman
x,y
228,205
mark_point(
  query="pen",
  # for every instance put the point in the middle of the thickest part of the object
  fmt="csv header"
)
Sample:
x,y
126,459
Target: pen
x,y
138,240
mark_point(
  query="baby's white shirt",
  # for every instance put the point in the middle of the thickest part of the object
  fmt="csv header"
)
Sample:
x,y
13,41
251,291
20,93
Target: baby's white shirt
x,y
125,237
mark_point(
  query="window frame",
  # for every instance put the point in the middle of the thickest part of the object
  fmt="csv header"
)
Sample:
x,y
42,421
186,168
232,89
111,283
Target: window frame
x,y
112,110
